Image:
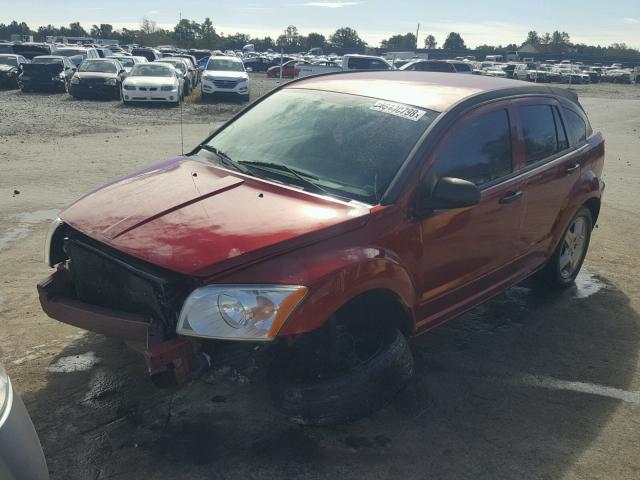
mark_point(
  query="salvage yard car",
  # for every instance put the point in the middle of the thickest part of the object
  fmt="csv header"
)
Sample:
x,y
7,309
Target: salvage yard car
x,y
153,82
329,221
225,75
188,75
10,68
101,78
51,73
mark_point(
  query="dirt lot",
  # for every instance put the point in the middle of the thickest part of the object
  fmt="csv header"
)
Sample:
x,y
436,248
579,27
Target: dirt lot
x,y
532,385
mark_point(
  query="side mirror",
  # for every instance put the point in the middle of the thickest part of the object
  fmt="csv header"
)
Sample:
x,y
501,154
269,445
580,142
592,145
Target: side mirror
x,y
448,193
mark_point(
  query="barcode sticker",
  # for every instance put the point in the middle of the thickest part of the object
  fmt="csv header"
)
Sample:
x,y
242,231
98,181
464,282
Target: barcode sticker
x,y
399,110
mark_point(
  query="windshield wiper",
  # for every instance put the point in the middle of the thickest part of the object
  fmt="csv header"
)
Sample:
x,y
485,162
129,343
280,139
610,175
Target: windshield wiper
x,y
302,176
224,158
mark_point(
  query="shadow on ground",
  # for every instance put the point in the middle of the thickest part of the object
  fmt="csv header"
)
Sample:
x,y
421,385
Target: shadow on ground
x,y
469,413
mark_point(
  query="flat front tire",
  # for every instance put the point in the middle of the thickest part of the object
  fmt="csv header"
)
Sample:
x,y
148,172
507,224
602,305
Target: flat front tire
x,y
350,394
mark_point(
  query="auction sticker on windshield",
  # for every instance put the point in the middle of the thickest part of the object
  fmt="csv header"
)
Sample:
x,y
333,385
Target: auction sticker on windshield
x,y
399,110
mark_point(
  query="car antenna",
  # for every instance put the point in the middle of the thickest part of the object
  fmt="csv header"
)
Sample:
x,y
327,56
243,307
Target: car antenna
x,y
181,101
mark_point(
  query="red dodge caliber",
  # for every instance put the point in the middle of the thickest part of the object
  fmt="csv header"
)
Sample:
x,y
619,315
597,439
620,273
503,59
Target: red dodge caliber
x,y
326,223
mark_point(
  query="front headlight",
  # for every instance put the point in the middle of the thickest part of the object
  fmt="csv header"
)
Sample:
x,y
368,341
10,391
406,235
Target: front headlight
x,y
167,88
239,312
75,80
53,258
110,81
128,87
6,394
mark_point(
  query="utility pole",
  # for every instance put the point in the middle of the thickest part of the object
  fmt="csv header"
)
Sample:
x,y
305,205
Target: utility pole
x,y
417,33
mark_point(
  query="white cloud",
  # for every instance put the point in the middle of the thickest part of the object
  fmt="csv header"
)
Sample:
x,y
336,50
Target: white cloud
x,y
630,21
330,4
153,12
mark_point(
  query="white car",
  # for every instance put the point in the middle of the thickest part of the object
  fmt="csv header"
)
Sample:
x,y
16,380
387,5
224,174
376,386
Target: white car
x,y
225,75
153,82
128,61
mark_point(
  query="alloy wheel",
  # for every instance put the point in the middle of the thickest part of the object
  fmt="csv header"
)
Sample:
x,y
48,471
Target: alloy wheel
x,y
573,246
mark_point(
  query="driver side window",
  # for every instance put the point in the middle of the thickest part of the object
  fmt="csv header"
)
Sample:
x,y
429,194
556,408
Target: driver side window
x,y
479,151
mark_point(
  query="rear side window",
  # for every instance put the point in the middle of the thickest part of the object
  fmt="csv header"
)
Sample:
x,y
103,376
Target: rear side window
x,y
563,143
539,132
434,67
462,67
366,64
576,128
479,152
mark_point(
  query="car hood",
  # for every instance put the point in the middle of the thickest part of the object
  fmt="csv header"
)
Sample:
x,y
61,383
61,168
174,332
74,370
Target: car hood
x,y
225,75
198,219
153,81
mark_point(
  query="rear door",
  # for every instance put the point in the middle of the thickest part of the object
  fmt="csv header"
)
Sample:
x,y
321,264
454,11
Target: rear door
x,y
468,253
550,169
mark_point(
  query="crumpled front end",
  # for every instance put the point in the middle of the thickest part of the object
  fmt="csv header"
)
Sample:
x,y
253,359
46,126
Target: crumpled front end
x,y
97,289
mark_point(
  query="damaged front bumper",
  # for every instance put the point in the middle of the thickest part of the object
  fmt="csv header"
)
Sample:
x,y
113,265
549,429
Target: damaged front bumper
x,y
169,361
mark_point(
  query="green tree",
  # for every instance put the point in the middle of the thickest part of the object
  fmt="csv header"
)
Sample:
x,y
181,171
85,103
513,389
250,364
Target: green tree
x,y
105,30
316,40
209,38
290,38
400,42
454,42
532,38
430,41
346,37
76,30
560,42
186,32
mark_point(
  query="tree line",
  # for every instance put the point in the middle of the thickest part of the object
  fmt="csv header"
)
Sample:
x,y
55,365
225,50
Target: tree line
x,y
548,43
191,34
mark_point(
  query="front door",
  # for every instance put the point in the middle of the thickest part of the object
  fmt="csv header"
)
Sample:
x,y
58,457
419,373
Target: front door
x,y
467,253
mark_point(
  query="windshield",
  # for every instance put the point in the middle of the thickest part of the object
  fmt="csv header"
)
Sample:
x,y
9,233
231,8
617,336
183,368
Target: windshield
x,y
8,61
151,71
70,52
225,64
176,63
126,62
47,60
101,67
349,144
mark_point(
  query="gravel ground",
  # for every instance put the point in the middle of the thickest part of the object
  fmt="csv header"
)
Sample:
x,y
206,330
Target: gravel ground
x,y
528,386
60,115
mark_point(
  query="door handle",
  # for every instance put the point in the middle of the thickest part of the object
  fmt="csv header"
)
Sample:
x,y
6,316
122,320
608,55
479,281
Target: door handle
x,y
510,198
572,168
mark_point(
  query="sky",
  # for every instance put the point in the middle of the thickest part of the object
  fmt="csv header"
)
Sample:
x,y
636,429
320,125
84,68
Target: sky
x,y
490,21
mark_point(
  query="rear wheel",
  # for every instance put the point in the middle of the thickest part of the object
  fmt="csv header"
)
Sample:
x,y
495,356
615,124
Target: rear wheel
x,y
563,267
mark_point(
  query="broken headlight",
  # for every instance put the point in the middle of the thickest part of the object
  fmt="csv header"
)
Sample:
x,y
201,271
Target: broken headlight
x,y
238,312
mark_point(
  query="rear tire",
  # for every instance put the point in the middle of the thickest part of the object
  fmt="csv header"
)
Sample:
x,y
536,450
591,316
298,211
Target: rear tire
x,y
564,265
348,395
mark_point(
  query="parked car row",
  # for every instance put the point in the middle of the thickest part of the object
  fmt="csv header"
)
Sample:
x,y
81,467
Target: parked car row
x,y
129,78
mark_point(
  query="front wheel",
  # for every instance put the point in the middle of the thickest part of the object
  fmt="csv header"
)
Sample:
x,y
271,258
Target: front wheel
x,y
564,265
344,386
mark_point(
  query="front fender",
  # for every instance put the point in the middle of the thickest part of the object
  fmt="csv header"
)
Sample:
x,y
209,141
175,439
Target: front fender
x,y
353,272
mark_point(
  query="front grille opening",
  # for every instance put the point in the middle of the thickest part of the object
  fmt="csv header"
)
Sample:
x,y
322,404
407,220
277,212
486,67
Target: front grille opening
x,y
104,277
